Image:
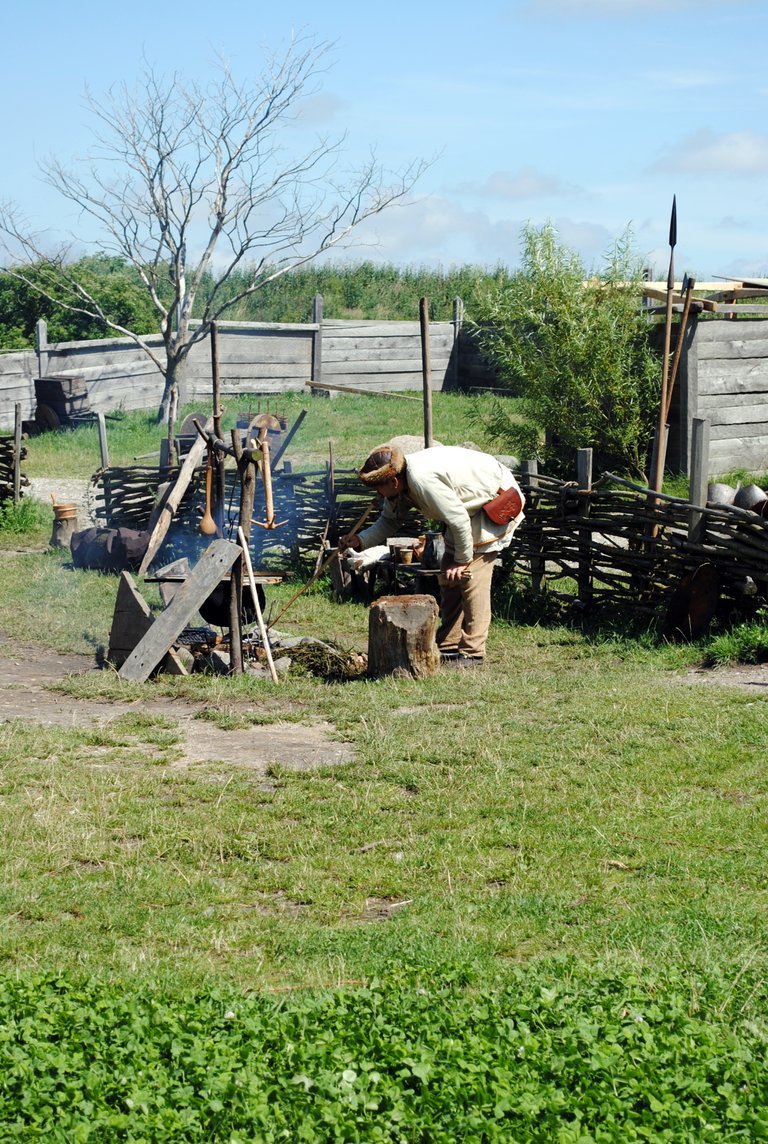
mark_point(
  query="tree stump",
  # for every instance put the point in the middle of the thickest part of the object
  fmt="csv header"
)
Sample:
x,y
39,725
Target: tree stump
x,y
401,637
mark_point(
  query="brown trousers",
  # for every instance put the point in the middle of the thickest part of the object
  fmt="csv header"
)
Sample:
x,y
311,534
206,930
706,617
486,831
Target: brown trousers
x,y
465,607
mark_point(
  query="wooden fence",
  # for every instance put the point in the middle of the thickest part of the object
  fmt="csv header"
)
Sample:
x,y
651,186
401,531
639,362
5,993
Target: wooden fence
x,y
723,373
254,358
724,378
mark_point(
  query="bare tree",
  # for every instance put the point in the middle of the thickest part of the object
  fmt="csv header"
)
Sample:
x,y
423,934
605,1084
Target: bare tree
x,y
189,185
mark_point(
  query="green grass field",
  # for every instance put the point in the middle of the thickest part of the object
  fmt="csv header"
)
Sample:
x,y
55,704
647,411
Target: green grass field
x,y
531,907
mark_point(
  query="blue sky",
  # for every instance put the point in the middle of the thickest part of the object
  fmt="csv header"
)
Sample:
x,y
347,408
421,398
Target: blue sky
x,y
590,114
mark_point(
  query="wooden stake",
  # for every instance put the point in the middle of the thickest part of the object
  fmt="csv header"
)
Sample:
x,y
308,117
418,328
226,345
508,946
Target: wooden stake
x,y
257,605
661,452
17,453
426,371
687,290
333,556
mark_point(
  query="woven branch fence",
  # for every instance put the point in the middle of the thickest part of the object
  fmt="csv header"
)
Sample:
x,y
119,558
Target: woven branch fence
x,y
8,465
309,508
620,543
623,544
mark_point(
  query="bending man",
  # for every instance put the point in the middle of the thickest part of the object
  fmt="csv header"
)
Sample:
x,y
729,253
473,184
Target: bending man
x,y
480,503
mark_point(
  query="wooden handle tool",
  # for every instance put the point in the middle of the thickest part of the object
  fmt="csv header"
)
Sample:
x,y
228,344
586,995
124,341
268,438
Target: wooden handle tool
x,y
208,525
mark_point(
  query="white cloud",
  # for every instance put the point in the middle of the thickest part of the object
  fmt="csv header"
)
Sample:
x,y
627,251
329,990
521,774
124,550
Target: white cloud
x,y
732,153
321,108
680,79
526,183
436,231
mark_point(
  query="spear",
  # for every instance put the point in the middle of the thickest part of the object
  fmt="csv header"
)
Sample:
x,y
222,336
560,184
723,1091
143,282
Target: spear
x,y
658,477
687,292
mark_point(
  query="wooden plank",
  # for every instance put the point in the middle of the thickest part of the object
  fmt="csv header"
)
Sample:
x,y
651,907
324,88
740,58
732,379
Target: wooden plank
x,y
349,389
725,455
389,381
737,433
739,292
742,414
724,349
259,357
213,565
253,387
377,344
736,377
260,328
726,331
740,308
366,327
382,369
403,355
258,369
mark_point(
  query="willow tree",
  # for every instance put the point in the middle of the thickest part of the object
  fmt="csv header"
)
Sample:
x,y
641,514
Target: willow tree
x,y
576,350
188,184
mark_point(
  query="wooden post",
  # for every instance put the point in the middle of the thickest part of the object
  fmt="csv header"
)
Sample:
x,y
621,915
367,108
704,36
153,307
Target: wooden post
x,y
530,474
247,473
426,371
697,494
103,446
220,497
41,346
458,320
657,478
655,455
584,479
17,452
104,453
584,468
169,453
317,341
235,618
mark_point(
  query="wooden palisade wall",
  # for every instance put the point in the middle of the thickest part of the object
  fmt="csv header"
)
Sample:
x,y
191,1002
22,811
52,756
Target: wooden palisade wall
x,y
253,358
724,378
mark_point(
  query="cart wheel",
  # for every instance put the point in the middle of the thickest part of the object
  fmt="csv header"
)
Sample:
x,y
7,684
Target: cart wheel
x,y
187,427
47,418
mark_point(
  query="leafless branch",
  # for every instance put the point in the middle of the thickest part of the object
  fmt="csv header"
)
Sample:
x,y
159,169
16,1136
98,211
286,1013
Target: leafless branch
x,y
188,184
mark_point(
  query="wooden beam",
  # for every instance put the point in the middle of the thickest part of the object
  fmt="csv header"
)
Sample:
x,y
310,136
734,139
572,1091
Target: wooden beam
x,y
367,392
213,565
164,511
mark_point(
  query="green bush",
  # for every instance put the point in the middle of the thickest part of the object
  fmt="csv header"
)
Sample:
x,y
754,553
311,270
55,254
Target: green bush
x,y
116,285
28,516
745,643
576,350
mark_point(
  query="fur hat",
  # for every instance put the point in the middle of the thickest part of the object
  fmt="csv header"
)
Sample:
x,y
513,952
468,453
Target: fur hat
x,y
384,463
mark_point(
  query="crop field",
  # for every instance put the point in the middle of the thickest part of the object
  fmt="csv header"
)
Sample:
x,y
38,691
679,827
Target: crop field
x,y
521,904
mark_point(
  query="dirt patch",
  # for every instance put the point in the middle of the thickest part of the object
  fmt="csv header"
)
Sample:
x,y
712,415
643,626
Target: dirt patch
x,y
750,677
25,676
68,490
